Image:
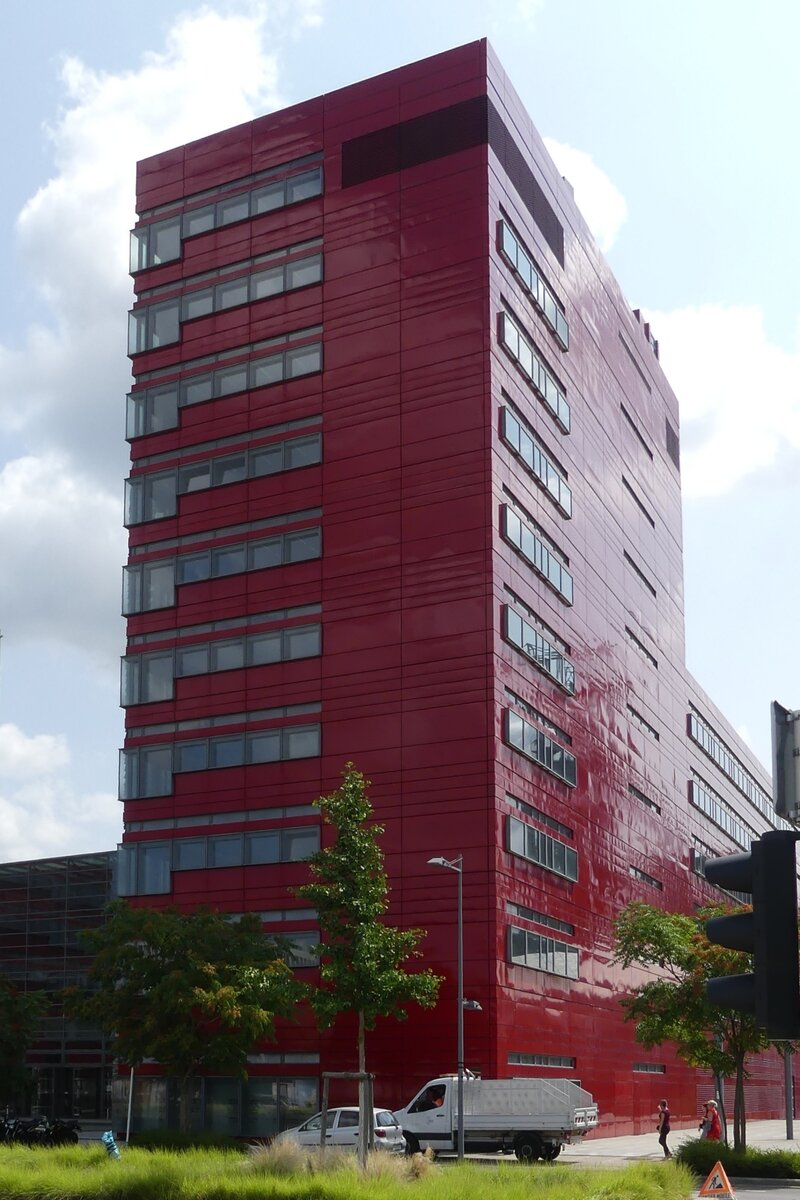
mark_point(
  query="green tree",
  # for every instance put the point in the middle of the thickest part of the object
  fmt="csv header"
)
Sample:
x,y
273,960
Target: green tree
x,y
20,1015
362,958
193,990
673,1007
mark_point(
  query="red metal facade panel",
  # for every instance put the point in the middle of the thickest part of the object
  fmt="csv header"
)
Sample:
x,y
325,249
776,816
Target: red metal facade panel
x,y
416,675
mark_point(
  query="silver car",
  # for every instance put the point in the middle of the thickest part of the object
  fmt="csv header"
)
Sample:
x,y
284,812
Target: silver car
x,y
342,1130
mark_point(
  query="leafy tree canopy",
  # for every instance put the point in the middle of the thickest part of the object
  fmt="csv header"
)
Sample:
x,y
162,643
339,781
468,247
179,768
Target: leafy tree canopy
x,y
672,1007
363,959
20,1015
192,990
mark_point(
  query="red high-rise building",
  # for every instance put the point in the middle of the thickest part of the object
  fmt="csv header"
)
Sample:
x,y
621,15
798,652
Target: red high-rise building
x,y
405,491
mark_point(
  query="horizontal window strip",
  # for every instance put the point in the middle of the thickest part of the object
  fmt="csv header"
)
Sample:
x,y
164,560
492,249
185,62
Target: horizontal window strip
x,y
551,634
644,799
712,744
160,242
556,1061
646,1068
226,623
153,585
643,723
237,440
145,868
530,276
530,810
640,646
707,801
540,848
159,324
527,448
538,953
198,820
643,877
157,409
541,749
533,549
519,347
538,716
149,678
220,533
154,496
243,266
539,918
147,771
700,855
538,650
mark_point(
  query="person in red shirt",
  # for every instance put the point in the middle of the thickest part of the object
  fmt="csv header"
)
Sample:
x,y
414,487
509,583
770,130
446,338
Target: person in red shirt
x,y
714,1133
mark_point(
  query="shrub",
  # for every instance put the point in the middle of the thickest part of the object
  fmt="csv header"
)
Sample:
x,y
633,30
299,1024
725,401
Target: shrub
x,y
700,1157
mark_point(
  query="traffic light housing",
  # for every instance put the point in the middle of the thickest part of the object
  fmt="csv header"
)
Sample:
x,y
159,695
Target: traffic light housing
x,y
769,933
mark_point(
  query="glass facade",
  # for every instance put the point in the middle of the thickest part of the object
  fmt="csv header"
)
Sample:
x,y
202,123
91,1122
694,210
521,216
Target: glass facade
x,y
45,906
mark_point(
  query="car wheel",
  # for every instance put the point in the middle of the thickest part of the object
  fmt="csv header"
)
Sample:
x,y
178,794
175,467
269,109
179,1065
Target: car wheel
x,y
412,1145
528,1147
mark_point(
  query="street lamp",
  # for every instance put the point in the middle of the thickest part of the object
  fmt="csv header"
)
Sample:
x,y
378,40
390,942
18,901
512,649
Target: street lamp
x,y
456,865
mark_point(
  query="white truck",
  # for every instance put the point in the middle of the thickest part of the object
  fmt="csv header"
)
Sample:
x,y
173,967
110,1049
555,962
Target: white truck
x,y
532,1117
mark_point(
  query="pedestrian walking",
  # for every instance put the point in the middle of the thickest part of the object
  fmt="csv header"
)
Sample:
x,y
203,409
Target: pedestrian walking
x,y
663,1127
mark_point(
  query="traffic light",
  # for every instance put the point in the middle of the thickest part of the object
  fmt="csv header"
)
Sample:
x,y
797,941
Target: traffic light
x,y
769,933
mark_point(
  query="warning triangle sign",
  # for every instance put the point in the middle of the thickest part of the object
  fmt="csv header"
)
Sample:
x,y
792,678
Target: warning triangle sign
x,y
717,1185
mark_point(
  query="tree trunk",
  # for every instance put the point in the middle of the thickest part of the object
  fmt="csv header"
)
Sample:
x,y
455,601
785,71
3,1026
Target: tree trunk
x,y
364,1118
739,1116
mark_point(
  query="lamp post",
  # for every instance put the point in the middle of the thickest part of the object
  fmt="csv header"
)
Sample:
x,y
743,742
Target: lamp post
x,y
456,864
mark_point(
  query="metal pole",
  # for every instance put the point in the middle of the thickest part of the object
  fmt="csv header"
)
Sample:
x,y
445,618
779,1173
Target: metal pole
x,y
460,1012
788,1090
130,1106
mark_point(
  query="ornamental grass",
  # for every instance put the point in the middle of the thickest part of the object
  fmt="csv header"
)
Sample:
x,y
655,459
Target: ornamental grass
x,y
86,1173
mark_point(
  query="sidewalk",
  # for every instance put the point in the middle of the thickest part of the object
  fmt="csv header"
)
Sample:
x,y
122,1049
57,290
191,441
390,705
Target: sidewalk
x,y
765,1135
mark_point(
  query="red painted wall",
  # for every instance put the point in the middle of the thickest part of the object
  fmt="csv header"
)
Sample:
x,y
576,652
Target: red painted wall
x,y
414,676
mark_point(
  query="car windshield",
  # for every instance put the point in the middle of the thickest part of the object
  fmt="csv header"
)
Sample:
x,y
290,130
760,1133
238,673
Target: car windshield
x,y
384,1119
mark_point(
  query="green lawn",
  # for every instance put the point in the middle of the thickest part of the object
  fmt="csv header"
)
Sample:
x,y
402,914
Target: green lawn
x,y
86,1173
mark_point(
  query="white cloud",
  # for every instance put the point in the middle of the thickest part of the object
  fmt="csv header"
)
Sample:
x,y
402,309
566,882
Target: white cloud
x,y
739,393
603,207
22,756
63,380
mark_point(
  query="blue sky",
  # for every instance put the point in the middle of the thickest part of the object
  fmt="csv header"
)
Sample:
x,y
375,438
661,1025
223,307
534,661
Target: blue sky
x,y
674,121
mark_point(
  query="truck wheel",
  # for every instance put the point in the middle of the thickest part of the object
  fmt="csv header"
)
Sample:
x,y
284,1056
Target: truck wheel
x,y
551,1151
528,1147
412,1145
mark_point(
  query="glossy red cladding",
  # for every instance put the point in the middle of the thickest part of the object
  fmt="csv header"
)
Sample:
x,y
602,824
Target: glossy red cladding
x,y
405,490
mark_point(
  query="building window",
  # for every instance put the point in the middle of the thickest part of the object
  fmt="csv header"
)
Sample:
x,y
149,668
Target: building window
x,y
148,586
147,771
714,807
542,849
643,799
155,495
712,744
640,646
643,723
556,1061
148,865
541,749
539,918
643,877
156,325
157,408
150,677
521,439
160,241
527,949
700,855
532,548
520,259
538,649
646,1068
519,347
